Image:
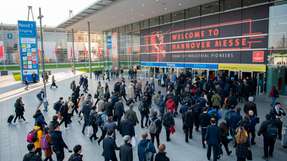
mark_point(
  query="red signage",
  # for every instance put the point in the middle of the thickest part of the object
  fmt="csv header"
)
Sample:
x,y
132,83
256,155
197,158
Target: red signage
x,y
258,56
1,52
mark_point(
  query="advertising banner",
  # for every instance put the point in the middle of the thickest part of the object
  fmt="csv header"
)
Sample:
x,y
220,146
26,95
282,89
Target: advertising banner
x,y
243,67
232,37
1,50
28,50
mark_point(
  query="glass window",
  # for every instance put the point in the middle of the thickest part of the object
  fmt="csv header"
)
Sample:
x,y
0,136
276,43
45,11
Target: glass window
x,y
179,15
144,24
154,21
210,8
136,27
192,12
230,4
165,18
251,2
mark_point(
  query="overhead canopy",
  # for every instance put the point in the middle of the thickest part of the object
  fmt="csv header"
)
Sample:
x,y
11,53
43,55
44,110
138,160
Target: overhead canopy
x,y
108,14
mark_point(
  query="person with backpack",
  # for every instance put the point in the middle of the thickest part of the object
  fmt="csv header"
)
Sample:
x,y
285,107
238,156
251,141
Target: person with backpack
x,y
146,149
58,144
40,96
38,133
31,155
155,127
76,156
168,122
188,124
19,109
216,100
46,145
269,130
127,127
39,118
58,105
64,114
241,143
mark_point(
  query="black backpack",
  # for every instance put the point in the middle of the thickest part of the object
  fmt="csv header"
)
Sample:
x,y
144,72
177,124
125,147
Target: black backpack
x,y
272,130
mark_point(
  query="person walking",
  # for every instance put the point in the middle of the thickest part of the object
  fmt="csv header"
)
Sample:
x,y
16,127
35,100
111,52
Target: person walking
x,y
168,123
19,109
269,130
31,155
76,156
212,139
58,144
119,111
277,113
53,82
46,142
126,150
242,143
93,123
39,118
130,114
155,127
144,111
188,124
39,133
110,125
58,105
110,147
224,132
127,128
161,155
86,110
146,149
204,120
274,94
64,114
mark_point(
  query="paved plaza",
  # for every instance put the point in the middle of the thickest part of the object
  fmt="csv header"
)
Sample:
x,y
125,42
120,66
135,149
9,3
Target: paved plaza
x,y
13,137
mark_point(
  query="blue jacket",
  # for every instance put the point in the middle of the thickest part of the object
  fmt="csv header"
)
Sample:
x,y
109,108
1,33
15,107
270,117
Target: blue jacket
x,y
144,147
212,135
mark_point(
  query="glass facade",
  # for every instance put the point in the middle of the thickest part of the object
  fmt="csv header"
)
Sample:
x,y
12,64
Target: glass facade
x,y
57,46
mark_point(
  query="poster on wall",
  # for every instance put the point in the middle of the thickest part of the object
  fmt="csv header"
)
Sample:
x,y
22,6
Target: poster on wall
x,y
115,56
232,37
1,50
28,50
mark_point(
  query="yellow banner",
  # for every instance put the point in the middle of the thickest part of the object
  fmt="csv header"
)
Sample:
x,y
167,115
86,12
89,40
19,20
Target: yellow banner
x,y
243,67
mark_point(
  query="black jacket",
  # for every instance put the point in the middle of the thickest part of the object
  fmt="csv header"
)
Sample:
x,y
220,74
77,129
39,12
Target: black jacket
x,y
31,156
76,157
109,147
212,135
108,106
127,128
204,119
126,152
58,143
188,120
119,109
168,120
250,106
264,125
161,157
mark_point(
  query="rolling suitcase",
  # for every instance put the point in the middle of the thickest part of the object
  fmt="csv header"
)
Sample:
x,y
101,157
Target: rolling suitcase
x,y
10,118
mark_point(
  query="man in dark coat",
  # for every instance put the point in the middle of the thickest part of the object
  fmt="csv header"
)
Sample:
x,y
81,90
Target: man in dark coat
x,y
161,155
204,120
269,130
250,105
126,150
77,156
19,109
31,156
87,107
58,144
110,147
168,123
127,127
119,111
188,124
212,139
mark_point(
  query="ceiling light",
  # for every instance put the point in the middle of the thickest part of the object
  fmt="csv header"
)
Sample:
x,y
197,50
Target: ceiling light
x,y
165,9
179,4
142,4
156,0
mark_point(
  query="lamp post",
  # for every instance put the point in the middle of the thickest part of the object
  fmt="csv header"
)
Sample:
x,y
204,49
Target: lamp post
x,y
43,61
90,57
73,51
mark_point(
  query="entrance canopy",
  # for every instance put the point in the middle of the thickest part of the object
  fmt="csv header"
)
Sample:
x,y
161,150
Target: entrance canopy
x,y
107,14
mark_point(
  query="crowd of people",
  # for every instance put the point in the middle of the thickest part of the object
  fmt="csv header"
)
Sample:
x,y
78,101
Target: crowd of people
x,y
206,106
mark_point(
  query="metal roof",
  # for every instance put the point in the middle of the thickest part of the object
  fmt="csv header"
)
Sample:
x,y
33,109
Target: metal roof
x,y
98,5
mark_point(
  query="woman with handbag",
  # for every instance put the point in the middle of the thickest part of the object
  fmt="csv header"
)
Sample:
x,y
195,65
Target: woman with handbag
x,y
242,144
